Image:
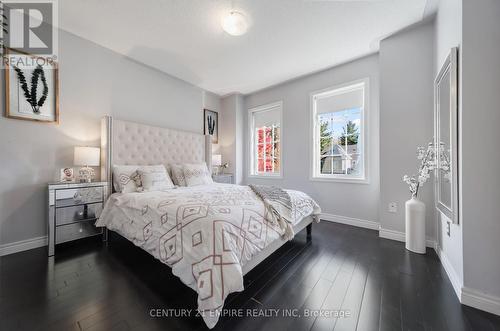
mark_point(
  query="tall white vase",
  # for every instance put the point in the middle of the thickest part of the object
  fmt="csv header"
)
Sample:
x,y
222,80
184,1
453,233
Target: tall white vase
x,y
415,225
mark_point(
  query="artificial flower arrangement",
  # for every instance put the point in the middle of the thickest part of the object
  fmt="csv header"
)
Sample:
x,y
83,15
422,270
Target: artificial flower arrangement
x,y
427,157
414,208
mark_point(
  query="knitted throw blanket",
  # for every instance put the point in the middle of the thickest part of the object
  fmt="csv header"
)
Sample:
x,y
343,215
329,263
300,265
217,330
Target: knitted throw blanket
x,y
278,207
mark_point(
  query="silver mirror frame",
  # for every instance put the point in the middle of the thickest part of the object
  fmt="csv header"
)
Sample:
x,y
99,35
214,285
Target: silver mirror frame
x,y
450,66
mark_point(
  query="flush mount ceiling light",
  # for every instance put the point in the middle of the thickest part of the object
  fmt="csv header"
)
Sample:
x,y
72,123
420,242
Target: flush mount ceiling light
x,y
235,23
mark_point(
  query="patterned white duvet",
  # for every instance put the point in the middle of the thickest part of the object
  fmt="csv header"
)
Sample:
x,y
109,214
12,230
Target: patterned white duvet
x,y
205,233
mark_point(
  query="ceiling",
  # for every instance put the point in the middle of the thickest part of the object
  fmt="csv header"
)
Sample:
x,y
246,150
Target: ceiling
x,y
287,38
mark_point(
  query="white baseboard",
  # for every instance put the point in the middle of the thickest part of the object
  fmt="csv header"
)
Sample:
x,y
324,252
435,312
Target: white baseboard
x,y
479,300
400,236
23,245
350,221
465,295
450,271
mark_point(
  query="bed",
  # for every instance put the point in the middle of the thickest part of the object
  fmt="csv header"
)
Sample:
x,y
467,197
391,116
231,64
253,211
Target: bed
x,y
210,235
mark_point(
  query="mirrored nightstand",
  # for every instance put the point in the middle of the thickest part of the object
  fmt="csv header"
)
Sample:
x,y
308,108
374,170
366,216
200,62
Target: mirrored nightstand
x,y
73,210
223,178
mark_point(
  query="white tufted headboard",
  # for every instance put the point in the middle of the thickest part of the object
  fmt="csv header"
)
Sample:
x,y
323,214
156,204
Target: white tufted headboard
x,y
130,143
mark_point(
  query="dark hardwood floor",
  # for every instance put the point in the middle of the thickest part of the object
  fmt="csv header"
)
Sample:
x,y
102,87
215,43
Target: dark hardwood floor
x,y
376,283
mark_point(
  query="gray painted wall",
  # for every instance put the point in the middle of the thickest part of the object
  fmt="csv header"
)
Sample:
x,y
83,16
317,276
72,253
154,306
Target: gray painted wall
x,y
94,81
406,119
480,137
345,199
448,30
211,101
231,142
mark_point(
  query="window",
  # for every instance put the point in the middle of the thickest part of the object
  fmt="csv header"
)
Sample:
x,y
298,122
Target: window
x,y
338,125
265,140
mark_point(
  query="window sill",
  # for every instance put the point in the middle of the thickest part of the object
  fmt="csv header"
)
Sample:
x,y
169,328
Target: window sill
x,y
363,181
266,176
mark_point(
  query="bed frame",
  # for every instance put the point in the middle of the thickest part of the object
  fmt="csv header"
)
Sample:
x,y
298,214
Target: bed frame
x,y
130,143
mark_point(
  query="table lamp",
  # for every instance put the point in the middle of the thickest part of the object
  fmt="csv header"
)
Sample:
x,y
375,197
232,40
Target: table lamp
x,y
87,157
216,162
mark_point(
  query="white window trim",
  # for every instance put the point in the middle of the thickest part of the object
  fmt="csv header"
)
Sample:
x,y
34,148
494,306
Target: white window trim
x,y
251,134
313,175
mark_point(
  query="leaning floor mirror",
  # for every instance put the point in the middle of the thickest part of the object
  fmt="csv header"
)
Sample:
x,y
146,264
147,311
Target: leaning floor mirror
x,y
446,137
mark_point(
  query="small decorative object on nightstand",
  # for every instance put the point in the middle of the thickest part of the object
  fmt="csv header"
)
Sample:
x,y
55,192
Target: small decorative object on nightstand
x,y
86,157
73,210
216,163
224,167
223,178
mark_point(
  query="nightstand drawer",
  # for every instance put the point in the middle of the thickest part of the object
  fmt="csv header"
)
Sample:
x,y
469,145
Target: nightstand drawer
x,y
75,231
223,178
67,215
78,196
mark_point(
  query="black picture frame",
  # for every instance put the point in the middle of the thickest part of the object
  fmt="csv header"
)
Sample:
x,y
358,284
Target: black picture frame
x,y
211,116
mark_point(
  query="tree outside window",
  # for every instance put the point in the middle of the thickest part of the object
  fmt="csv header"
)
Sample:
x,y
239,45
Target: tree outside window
x,y
339,135
268,149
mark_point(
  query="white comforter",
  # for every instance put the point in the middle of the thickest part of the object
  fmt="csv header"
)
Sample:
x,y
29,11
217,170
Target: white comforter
x,y
205,233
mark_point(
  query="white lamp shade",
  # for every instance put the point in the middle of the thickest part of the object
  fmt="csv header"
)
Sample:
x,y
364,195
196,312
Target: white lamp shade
x,y
87,156
217,160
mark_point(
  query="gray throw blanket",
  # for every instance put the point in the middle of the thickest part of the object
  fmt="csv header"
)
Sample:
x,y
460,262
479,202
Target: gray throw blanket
x,y
278,207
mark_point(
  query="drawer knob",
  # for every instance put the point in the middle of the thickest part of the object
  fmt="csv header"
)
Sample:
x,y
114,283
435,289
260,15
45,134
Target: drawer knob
x,y
77,197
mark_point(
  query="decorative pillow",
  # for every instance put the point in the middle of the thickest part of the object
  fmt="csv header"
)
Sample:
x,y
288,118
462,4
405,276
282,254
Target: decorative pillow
x,y
122,181
126,179
136,177
177,174
197,174
155,180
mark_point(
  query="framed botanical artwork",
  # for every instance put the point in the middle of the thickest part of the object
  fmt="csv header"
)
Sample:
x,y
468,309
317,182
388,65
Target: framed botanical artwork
x,y
211,124
31,87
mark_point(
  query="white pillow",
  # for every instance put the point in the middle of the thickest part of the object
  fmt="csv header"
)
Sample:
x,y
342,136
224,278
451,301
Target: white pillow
x,y
124,175
177,174
155,180
197,174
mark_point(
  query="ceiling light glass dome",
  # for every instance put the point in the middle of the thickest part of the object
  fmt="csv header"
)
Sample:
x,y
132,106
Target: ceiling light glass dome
x,y
235,23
